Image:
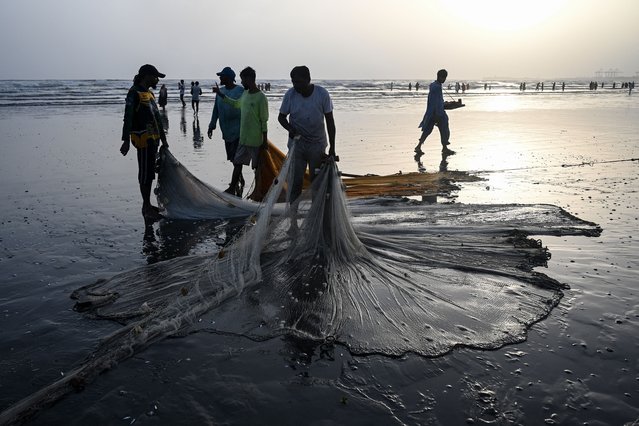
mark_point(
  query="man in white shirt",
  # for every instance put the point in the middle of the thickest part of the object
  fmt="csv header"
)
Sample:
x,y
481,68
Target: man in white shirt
x,y
307,114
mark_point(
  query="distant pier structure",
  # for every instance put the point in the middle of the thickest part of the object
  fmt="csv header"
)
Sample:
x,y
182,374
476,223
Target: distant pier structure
x,y
609,73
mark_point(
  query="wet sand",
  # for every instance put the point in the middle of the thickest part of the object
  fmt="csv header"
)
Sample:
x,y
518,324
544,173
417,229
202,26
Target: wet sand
x,y
72,215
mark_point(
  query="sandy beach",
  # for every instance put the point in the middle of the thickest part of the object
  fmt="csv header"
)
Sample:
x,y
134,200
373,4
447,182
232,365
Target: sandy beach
x,y
72,215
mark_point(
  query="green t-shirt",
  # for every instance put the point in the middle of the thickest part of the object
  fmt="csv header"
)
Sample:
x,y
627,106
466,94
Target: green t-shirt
x,y
254,117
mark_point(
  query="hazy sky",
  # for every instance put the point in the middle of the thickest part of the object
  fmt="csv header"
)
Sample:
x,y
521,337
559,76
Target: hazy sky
x,y
347,39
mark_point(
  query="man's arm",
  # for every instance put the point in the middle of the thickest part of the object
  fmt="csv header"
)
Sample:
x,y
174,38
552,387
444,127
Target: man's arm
x,y
264,121
235,103
129,110
214,117
438,100
283,120
330,127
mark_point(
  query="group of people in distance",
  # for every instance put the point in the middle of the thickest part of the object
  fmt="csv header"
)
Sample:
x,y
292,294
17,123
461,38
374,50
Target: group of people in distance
x,y
306,113
242,112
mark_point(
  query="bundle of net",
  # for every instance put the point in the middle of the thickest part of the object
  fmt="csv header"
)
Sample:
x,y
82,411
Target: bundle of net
x,y
377,287
388,281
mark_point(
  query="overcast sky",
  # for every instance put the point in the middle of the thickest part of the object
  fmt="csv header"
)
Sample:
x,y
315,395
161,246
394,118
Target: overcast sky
x,y
337,39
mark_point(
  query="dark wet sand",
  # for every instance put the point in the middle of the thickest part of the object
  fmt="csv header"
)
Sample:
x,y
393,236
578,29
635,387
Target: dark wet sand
x,y
71,215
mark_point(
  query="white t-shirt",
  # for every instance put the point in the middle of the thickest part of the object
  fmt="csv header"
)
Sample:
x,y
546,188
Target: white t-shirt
x,y
196,91
307,114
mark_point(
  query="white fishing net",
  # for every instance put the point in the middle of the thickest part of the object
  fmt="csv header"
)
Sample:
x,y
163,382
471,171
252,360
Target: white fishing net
x,y
383,275
394,277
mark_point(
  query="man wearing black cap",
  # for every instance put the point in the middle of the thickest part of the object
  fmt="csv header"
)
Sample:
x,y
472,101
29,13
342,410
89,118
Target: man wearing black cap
x,y
143,128
229,118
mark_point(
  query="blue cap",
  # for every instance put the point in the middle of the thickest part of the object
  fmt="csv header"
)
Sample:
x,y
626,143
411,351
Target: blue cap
x,y
227,71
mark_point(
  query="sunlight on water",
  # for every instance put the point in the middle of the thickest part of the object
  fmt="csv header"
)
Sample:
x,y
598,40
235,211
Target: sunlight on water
x,y
501,103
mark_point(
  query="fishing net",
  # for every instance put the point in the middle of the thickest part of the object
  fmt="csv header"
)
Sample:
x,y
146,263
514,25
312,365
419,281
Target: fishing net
x,y
383,275
181,195
386,275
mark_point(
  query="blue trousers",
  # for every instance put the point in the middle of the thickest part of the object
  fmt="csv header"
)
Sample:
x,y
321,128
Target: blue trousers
x,y
444,131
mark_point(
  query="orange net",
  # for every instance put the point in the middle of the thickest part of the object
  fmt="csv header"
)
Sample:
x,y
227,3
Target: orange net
x,y
270,164
400,184
405,184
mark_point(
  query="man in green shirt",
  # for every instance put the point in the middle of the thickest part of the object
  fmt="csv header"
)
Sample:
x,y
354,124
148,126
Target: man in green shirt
x,y
253,124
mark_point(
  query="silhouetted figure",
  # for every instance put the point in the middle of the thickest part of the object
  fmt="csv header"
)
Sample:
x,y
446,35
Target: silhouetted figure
x,y
143,128
164,97
229,119
253,107
435,114
307,114
181,89
196,92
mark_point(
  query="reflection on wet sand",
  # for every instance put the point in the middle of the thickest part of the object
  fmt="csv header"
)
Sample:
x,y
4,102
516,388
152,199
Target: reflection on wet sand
x,y
443,168
169,239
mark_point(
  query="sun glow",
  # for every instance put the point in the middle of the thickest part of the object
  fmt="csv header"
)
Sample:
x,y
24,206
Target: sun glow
x,y
504,16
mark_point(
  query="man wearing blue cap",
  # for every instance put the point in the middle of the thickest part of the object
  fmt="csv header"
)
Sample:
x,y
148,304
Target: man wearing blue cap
x,y
229,118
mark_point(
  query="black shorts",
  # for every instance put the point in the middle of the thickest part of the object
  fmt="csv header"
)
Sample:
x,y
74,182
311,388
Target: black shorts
x,y
246,155
146,162
231,148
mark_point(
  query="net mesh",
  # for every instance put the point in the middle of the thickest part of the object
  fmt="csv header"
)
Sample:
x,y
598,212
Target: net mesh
x,y
385,275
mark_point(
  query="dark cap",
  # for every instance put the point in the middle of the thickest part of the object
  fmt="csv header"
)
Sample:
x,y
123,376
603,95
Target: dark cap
x,y
227,71
148,69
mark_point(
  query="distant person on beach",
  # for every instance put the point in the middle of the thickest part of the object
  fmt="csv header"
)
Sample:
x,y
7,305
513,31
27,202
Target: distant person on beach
x,y
229,118
143,127
196,91
417,86
181,89
164,96
253,108
307,114
410,86
435,115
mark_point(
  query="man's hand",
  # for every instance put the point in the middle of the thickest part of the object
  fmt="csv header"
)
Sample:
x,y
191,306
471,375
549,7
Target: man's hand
x,y
210,133
292,133
216,90
124,149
